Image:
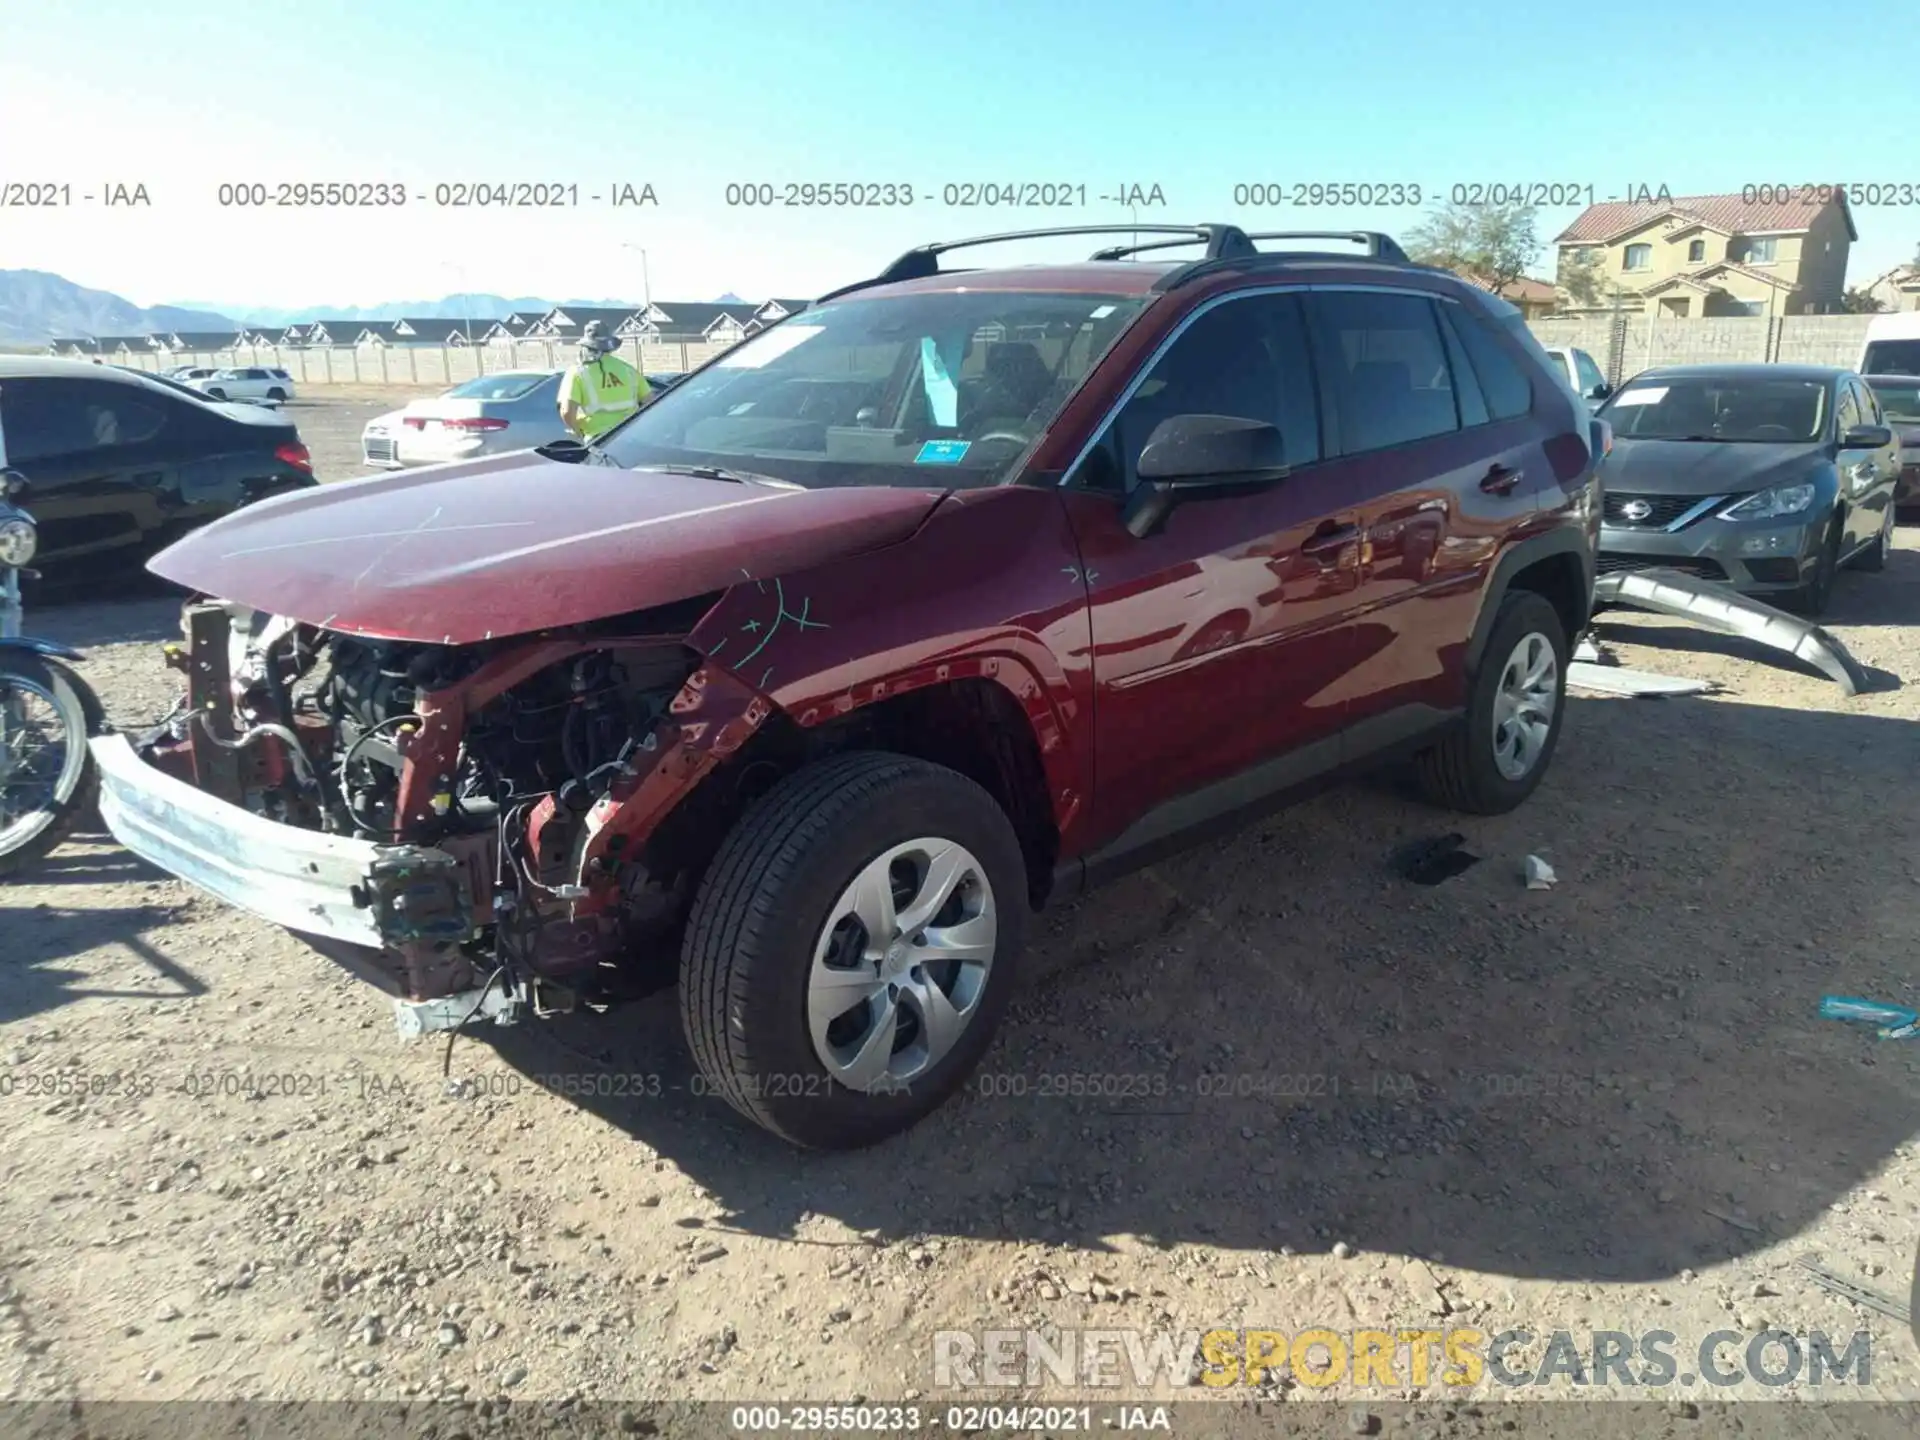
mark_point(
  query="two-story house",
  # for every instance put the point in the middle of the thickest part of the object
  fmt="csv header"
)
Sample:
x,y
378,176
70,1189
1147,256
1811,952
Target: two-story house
x,y
1707,255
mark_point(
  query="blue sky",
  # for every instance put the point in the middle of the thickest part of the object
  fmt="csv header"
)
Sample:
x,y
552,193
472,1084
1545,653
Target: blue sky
x,y
1195,97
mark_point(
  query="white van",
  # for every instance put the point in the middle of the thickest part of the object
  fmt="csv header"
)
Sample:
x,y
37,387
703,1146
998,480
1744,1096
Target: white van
x,y
1892,346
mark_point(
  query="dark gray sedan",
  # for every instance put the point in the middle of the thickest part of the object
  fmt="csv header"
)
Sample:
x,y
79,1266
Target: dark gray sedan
x,y
1768,477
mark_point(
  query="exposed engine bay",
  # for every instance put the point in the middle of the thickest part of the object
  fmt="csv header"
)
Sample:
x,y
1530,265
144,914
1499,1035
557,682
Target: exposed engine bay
x,y
516,791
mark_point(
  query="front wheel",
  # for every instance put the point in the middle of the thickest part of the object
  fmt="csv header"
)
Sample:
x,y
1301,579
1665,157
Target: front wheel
x,y
852,948
47,775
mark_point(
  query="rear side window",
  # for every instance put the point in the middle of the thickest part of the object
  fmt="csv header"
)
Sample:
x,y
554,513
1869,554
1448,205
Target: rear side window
x,y
1382,358
1502,380
46,419
1473,405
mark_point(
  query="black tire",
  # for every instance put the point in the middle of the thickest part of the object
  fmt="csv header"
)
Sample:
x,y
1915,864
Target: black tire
x,y
79,707
1812,598
1873,559
761,909
276,394
1461,771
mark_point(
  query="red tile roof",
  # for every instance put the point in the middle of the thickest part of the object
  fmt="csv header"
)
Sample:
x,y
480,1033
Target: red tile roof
x,y
1525,288
1598,223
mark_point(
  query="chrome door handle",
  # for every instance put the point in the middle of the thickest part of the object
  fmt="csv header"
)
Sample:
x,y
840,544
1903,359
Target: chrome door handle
x,y
1501,480
1331,539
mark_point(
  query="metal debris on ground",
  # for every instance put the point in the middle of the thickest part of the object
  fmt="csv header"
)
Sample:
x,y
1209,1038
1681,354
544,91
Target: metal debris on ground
x,y
1858,1294
1430,861
1720,607
1539,874
1638,684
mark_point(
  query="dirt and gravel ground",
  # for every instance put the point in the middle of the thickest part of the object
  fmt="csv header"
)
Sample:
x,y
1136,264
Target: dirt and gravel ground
x,y
1357,1102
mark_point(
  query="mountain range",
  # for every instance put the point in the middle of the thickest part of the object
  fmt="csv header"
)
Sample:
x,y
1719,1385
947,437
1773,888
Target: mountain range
x,y
36,307
476,306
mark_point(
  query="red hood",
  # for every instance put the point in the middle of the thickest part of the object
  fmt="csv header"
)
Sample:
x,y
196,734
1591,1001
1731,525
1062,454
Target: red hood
x,y
516,543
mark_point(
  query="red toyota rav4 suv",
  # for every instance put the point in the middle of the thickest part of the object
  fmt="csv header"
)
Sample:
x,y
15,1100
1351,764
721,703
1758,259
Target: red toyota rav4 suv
x,y
953,593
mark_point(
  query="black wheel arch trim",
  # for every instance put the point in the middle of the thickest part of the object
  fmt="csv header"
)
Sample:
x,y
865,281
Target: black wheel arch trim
x,y
1550,544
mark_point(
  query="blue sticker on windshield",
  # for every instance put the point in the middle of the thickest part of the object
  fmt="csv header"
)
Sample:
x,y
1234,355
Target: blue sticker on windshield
x,y
942,452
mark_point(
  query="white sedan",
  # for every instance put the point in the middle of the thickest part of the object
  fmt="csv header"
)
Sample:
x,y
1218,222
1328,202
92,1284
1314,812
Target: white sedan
x,y
512,410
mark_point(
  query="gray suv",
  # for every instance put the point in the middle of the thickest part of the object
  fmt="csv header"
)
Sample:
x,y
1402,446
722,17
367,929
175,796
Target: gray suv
x,y
1767,477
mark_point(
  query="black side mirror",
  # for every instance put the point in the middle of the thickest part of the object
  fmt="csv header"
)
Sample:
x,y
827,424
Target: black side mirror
x,y
1201,457
1600,391
1866,437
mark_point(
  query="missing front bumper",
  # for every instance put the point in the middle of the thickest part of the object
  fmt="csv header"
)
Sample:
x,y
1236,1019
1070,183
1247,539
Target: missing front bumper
x,y
414,905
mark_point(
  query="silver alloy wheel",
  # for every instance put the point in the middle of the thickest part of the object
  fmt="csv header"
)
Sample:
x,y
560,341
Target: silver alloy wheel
x,y
1524,705
901,964
30,797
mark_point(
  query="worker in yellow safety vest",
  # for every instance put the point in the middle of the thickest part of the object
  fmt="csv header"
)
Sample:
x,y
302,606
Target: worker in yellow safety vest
x,y
602,389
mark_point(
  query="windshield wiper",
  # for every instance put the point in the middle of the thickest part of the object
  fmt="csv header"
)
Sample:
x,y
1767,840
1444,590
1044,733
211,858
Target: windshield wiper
x,y
716,472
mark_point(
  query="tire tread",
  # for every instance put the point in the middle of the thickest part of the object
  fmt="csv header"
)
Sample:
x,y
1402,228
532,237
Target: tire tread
x,y
729,928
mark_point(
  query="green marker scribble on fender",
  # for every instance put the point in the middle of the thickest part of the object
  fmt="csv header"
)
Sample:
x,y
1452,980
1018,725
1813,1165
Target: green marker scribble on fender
x,y
781,616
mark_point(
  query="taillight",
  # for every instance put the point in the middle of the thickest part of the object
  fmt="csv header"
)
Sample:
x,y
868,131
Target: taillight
x,y
296,455
476,423
414,422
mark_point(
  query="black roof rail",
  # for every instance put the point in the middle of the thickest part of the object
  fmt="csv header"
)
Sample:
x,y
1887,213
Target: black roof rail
x,y
1222,241
1379,245
1380,249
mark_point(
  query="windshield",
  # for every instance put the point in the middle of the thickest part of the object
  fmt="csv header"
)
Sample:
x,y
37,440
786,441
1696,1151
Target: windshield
x,y
1898,402
1892,357
942,389
510,386
1715,407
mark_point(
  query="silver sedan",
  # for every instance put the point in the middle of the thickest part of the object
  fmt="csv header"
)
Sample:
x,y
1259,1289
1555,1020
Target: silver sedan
x,y
511,410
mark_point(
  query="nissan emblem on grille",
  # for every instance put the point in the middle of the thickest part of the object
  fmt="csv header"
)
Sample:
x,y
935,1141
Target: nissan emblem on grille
x,y
1636,510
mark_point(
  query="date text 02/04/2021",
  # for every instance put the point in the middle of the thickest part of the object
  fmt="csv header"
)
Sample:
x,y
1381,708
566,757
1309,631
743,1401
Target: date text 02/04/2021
x,y
1410,194
444,195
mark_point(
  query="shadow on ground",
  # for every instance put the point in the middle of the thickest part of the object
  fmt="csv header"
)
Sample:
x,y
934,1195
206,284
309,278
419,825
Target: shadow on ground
x,y
40,938
1276,1041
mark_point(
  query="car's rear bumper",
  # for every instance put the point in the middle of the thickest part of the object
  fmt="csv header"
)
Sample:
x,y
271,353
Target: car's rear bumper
x,y
1754,557
416,451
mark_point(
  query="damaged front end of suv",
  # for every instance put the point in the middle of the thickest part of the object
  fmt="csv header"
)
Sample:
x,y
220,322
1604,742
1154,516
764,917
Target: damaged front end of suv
x,y
479,825
476,745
